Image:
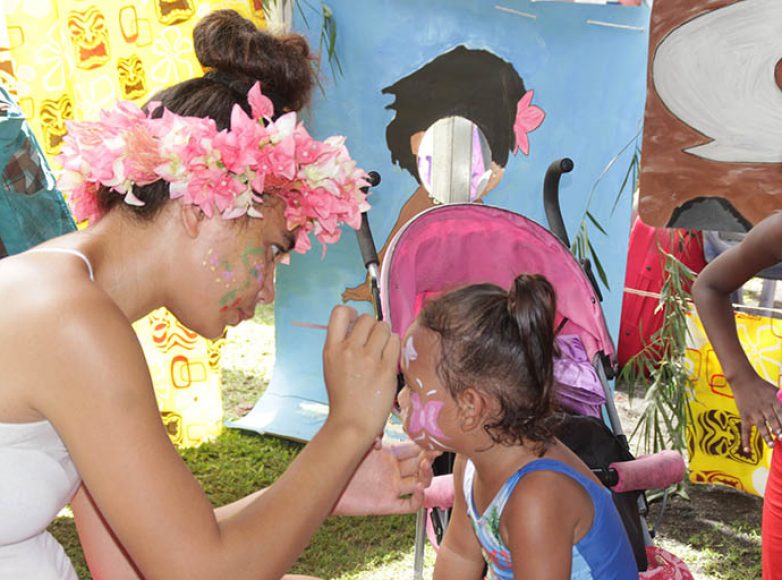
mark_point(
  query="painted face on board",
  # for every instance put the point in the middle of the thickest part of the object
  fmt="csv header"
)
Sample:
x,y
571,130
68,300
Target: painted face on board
x,y
426,407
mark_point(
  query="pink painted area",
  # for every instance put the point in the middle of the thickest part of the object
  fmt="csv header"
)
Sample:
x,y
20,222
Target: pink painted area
x,y
528,118
423,417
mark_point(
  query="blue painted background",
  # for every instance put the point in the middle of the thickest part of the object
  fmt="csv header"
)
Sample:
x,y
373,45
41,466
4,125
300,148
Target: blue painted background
x,y
589,79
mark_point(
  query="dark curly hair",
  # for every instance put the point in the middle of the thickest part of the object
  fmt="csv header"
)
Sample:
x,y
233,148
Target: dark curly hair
x,y
237,54
501,343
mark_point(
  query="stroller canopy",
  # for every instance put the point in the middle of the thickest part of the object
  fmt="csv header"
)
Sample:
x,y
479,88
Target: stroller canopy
x,y
454,245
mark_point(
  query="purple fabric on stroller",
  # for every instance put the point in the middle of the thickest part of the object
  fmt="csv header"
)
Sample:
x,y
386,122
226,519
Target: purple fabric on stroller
x,y
578,387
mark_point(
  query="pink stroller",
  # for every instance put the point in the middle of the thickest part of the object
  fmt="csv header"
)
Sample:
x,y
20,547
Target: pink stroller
x,y
458,244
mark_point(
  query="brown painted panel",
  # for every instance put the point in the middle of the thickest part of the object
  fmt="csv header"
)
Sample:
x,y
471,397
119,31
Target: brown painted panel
x,y
673,180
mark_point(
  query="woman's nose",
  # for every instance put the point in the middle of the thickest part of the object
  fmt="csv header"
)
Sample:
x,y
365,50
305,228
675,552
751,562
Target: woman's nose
x,y
266,293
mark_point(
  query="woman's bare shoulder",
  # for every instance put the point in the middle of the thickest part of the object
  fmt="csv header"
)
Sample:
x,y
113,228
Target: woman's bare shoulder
x,y
36,288
57,326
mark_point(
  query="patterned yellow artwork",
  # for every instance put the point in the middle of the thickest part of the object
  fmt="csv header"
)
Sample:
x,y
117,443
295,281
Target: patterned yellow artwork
x,y
185,371
714,435
66,59
69,58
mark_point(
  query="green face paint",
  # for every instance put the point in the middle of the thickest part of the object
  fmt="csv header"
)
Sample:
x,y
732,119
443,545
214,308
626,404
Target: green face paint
x,y
252,259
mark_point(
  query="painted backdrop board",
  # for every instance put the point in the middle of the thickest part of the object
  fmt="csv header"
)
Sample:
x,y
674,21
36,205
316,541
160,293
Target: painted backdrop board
x,y
713,125
582,65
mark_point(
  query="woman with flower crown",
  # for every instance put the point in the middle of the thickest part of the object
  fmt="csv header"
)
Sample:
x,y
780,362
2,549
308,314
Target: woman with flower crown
x,y
216,175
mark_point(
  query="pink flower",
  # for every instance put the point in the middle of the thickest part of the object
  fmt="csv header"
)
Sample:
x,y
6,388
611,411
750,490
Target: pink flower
x,y
260,105
221,172
528,118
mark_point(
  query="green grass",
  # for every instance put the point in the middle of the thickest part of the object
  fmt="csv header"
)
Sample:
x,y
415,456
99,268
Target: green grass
x,y
720,552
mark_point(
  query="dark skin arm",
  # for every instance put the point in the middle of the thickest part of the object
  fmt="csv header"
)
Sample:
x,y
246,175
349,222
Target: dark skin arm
x,y
755,398
546,515
460,555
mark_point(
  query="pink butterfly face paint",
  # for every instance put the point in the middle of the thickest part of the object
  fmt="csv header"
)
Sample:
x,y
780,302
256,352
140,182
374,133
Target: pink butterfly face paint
x,y
422,406
423,416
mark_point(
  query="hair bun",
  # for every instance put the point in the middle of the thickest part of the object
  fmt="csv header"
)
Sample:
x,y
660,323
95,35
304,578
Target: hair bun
x,y
229,43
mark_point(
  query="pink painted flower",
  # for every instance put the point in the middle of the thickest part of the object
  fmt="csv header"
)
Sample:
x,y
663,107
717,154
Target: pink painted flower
x,y
528,118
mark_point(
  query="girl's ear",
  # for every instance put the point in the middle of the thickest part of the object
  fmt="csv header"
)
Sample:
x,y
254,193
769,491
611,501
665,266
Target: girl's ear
x,y
472,406
192,218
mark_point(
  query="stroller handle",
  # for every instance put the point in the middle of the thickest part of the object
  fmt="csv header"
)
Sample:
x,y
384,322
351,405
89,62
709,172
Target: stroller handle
x,y
365,241
656,471
366,244
551,197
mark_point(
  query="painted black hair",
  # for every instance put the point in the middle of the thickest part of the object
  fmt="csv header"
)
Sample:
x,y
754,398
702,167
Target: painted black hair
x,y
501,343
474,84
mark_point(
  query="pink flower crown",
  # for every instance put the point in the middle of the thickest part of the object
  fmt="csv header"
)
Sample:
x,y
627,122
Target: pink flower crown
x,y
219,171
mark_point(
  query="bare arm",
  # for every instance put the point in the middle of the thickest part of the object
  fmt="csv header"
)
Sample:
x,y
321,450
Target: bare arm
x,y
539,526
104,409
755,398
459,557
389,480
104,555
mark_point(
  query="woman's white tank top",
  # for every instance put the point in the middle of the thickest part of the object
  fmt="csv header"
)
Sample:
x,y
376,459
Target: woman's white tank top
x,y
37,479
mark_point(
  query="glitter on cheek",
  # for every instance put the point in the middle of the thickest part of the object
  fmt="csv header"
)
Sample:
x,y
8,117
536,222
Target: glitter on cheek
x,y
256,272
253,259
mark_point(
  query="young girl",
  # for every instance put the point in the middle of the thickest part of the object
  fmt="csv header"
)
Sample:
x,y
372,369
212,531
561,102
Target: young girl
x,y
478,370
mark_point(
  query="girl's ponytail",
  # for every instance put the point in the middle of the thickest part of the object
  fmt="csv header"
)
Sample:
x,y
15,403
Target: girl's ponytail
x,y
532,304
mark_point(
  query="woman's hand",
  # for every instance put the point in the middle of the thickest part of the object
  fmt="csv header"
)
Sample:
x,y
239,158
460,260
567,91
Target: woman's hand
x,y
360,361
758,405
390,480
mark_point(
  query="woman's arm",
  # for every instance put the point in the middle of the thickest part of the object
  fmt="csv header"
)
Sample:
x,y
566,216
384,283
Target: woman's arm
x,y
459,557
755,398
389,480
105,556
105,411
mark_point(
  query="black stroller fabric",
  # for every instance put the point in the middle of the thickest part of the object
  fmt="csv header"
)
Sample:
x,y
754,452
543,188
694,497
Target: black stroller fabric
x,y
598,447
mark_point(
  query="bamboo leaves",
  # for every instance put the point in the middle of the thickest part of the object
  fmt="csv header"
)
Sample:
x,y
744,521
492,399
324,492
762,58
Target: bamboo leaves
x,y
660,367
